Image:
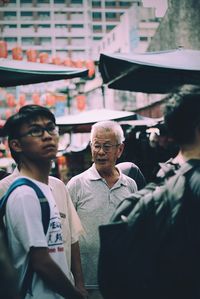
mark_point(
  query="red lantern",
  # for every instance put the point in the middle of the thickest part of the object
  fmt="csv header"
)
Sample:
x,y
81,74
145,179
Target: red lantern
x,y
56,60
17,53
3,49
79,63
67,62
36,98
31,55
10,100
22,99
50,100
44,57
91,66
81,102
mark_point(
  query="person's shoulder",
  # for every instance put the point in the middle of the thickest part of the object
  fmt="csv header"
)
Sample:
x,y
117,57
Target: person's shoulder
x,y
129,181
6,182
126,167
56,182
79,177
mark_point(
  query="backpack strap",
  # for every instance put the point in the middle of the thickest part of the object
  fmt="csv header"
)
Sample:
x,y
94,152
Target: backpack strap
x,y
27,281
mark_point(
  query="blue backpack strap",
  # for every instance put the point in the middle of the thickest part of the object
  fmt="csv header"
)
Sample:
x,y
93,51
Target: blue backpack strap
x,y
43,201
27,282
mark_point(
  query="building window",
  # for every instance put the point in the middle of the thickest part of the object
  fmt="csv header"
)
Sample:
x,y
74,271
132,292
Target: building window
x,y
27,41
44,26
143,38
124,3
111,16
110,3
109,28
10,39
97,38
44,15
77,26
10,15
96,16
26,25
10,26
25,2
96,4
76,1
97,28
59,1
26,15
42,2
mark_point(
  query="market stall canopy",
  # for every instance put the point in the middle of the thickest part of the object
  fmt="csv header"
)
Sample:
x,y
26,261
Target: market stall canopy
x,y
15,72
82,122
151,72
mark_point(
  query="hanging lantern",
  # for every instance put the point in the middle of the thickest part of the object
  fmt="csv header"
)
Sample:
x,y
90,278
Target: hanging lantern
x,y
17,53
10,100
44,57
36,98
56,60
81,102
31,55
50,100
22,99
3,49
79,63
67,62
91,69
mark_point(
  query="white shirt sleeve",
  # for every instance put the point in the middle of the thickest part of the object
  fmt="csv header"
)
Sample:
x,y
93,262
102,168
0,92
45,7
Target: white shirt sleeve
x,y
24,218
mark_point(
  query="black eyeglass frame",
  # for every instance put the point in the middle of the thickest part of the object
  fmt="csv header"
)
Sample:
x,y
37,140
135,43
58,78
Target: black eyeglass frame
x,y
52,130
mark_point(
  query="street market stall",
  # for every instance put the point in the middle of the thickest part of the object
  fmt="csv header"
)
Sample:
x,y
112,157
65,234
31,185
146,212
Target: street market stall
x,y
150,72
15,72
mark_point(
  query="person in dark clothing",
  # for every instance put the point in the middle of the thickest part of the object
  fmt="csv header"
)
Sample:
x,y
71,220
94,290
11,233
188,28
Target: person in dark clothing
x,y
180,263
3,173
132,170
8,276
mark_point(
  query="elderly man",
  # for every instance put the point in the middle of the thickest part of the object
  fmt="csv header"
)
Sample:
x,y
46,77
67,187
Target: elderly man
x,y
96,193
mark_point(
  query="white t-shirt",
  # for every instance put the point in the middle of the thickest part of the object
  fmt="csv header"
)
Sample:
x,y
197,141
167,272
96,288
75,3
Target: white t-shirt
x,y
71,225
25,230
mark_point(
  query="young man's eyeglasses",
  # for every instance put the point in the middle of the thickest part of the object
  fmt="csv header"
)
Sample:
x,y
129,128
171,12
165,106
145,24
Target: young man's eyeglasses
x,y
106,147
38,131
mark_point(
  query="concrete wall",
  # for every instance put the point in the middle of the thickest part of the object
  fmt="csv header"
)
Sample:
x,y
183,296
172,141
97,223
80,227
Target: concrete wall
x,y
179,27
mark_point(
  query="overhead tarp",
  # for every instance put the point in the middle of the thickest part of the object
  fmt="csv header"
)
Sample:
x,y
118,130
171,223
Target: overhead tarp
x,y
150,72
15,72
82,121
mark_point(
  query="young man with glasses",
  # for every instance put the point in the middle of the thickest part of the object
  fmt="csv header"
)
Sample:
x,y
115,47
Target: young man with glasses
x,y
96,193
33,141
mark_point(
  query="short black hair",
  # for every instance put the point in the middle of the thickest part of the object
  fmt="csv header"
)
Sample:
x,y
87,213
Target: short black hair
x,y
182,116
26,114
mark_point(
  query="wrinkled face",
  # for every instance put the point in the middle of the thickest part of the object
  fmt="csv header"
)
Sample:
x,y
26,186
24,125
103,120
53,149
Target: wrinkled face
x,y
105,149
38,140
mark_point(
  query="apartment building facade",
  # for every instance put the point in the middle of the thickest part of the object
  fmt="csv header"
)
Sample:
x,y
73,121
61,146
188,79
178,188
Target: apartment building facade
x,y
64,28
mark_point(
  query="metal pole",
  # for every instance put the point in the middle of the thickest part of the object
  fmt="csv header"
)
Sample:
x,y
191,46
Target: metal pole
x,y
103,95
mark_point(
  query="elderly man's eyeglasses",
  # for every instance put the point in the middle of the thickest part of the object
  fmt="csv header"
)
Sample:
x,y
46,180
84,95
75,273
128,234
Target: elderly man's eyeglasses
x,y
38,131
106,147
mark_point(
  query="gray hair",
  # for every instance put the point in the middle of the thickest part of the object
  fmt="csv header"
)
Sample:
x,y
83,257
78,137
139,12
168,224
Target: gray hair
x,y
109,125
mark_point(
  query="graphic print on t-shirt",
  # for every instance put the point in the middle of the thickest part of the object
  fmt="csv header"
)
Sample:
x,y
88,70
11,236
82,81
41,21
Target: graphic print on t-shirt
x,y
55,238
